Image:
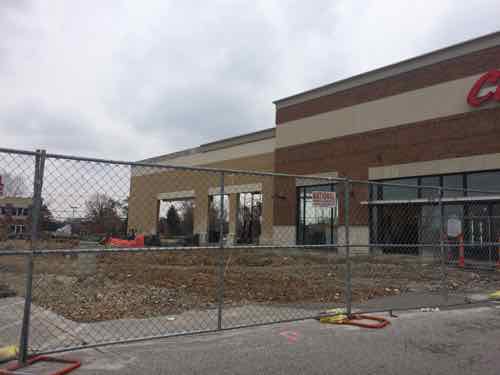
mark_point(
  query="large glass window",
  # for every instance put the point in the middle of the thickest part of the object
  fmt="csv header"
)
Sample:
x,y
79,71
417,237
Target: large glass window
x,y
249,218
400,192
453,181
483,181
315,223
430,181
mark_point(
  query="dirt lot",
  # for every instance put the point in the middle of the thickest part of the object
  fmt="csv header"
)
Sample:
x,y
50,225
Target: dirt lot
x,y
153,284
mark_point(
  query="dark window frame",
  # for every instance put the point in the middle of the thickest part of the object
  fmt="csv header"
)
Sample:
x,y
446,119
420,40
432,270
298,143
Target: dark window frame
x,y
464,175
301,194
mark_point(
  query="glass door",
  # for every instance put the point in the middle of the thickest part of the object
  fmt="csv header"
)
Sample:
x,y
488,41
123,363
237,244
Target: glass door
x,y
478,229
495,230
249,218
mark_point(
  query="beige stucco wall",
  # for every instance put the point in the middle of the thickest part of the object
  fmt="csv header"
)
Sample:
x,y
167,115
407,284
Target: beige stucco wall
x,y
150,184
246,150
436,101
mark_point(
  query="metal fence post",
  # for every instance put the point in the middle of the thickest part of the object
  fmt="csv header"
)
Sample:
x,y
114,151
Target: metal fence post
x,y
220,278
348,287
35,222
442,231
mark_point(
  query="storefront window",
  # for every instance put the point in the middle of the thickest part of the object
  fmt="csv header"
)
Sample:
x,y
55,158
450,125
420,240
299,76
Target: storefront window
x,y
430,181
453,181
483,181
249,218
400,192
315,224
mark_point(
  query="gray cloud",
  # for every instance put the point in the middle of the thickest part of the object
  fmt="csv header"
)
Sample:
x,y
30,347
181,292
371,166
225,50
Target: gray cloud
x,y
30,124
127,80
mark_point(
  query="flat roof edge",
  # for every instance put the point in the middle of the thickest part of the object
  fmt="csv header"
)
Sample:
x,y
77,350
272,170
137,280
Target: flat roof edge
x,y
217,145
429,58
239,139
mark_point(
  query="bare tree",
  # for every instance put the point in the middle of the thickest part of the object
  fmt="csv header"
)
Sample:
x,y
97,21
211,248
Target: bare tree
x,y
102,212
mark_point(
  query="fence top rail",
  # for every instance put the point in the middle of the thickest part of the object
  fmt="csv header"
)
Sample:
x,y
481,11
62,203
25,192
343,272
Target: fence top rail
x,y
430,187
324,179
188,168
18,152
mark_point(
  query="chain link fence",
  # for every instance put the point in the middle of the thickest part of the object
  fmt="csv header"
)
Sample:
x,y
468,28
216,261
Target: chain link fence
x,y
95,252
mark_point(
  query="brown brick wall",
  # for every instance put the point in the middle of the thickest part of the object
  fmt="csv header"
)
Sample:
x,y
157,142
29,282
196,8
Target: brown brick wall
x,y
472,133
468,134
460,67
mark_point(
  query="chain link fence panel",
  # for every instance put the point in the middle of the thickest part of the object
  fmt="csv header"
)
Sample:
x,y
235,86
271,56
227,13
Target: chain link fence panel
x,y
129,251
420,247
284,262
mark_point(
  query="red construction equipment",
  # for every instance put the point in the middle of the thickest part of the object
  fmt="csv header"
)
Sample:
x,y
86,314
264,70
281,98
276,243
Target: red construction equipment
x,y
498,252
118,242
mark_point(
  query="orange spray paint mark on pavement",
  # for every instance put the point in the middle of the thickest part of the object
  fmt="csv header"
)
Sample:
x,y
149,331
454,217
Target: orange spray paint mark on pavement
x,y
291,336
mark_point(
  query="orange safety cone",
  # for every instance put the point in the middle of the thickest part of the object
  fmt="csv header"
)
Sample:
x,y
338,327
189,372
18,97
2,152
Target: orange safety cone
x,y
498,252
461,252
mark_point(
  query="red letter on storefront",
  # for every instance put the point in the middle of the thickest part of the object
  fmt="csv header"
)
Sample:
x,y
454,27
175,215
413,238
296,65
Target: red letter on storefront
x,y
474,99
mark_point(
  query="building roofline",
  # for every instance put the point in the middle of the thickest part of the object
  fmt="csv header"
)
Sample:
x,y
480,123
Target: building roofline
x,y
239,139
429,58
218,145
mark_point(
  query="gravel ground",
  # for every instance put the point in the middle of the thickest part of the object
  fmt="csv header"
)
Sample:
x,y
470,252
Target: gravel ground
x,y
152,285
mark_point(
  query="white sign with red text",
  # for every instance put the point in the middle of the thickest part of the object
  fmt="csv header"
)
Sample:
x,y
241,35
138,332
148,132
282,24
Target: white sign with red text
x,y
325,199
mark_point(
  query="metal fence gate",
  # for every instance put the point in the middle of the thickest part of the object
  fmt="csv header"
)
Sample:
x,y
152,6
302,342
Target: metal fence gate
x,y
96,252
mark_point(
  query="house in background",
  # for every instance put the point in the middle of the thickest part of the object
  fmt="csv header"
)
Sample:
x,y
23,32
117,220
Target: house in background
x,y
14,216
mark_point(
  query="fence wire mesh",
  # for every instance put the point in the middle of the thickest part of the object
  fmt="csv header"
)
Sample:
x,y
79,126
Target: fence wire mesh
x,y
287,266
12,292
420,246
127,251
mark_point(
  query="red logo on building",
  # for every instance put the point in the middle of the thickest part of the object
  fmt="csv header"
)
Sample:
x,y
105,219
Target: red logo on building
x,y
491,78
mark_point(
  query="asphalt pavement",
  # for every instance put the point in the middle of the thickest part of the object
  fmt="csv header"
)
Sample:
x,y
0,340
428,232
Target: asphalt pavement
x,y
462,341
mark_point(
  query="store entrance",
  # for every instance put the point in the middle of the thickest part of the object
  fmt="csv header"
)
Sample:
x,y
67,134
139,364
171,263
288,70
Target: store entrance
x,y
400,227
479,232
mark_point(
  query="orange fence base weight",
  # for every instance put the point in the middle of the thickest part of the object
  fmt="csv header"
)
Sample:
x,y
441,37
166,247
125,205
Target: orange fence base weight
x,y
498,255
72,365
357,320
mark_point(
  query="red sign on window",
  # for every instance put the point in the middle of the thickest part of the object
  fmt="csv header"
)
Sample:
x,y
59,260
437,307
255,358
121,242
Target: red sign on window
x,y
492,79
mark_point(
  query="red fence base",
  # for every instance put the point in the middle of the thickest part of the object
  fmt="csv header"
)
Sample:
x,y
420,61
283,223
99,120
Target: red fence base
x,y
72,365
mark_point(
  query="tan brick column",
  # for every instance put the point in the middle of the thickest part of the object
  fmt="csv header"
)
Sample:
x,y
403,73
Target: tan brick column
x,y
233,218
266,235
200,225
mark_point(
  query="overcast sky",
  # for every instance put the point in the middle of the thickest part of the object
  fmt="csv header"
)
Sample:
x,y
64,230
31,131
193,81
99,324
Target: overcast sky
x,y
132,79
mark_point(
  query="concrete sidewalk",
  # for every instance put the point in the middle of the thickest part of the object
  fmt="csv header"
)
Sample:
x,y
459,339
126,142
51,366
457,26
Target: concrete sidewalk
x,y
50,331
462,341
